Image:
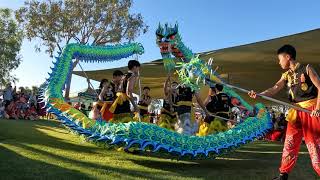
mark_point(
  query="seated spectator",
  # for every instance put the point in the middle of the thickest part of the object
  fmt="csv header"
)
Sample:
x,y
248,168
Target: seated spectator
x,y
20,106
32,113
3,113
21,113
11,110
22,102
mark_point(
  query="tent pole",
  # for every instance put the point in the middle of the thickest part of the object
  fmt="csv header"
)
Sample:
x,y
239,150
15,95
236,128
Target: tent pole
x,y
88,80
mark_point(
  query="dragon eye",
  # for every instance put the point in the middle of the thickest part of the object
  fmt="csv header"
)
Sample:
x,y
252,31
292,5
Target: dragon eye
x,y
171,37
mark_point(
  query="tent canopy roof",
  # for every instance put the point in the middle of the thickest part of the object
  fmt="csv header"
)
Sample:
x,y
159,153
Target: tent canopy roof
x,y
252,66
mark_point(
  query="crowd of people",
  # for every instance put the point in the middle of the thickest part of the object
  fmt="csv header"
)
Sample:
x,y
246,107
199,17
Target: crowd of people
x,y
19,104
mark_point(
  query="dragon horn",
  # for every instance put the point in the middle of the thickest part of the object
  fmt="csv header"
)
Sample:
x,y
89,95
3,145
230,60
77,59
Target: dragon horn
x,y
216,69
197,81
210,62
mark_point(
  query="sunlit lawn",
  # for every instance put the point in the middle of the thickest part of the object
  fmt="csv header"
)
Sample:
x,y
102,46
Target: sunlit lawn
x,y
46,150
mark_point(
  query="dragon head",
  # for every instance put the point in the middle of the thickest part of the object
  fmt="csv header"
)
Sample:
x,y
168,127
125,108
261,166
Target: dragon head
x,y
168,40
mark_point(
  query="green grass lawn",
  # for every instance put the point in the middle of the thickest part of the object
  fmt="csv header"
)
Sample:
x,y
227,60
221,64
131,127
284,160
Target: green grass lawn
x,y
45,150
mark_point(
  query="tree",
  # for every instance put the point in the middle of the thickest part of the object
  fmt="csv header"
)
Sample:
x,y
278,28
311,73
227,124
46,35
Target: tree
x,y
10,44
98,22
35,89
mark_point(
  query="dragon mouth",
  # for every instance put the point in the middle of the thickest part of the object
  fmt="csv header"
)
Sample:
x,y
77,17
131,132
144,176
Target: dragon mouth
x,y
165,47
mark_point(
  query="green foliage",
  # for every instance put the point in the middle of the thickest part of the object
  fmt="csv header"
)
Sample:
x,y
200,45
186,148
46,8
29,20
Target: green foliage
x,y
99,22
34,89
10,44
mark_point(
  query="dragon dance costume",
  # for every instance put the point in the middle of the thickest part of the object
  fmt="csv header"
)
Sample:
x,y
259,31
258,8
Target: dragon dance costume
x,y
300,124
219,105
121,106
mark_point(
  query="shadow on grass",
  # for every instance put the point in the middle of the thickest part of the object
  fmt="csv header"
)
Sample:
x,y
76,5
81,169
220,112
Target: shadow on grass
x,y
22,131
256,161
15,166
64,173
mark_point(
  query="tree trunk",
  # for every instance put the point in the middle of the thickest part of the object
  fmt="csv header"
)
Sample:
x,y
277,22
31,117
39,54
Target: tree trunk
x,y
67,90
68,83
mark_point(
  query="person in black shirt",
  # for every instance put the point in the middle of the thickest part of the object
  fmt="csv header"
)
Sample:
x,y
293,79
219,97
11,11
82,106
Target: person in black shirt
x,y
217,103
116,80
106,91
303,84
184,123
168,115
121,106
144,103
106,97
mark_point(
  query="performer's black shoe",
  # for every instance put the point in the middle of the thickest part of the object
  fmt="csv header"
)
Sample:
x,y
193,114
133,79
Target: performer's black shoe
x,y
282,176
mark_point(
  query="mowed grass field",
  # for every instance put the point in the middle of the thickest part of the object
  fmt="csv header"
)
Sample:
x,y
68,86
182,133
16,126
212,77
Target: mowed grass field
x,y
45,150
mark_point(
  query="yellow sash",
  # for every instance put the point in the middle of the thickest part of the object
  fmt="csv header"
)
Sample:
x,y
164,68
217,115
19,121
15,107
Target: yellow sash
x,y
104,106
293,113
121,97
184,103
188,103
143,107
123,118
203,129
163,110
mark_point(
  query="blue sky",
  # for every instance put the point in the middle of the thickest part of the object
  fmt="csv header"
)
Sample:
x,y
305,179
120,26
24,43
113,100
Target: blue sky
x,y
204,25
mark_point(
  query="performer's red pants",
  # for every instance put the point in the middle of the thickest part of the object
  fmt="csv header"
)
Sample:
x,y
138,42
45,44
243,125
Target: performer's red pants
x,y
107,115
309,128
274,135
